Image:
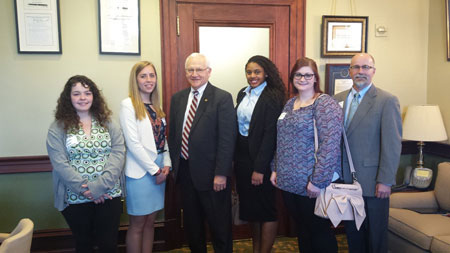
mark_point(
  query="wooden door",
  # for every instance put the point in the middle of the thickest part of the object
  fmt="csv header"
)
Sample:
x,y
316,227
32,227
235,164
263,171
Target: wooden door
x,y
181,20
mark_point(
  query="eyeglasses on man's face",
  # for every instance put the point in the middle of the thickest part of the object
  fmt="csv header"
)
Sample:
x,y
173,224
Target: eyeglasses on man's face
x,y
298,76
363,67
191,71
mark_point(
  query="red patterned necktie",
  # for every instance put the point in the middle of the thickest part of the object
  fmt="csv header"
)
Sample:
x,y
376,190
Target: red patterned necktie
x,y
187,126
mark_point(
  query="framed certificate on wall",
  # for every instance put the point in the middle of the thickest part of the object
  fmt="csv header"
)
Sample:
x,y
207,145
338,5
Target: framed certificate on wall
x,y
119,27
343,36
37,26
337,78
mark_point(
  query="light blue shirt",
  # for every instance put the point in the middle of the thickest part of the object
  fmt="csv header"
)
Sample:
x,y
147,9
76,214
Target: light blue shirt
x,y
352,94
246,107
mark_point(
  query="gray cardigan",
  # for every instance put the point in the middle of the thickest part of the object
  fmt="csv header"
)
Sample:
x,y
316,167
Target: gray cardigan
x,y
64,175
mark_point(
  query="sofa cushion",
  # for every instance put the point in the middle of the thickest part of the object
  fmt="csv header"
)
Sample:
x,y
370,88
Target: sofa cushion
x,y
442,186
441,243
418,228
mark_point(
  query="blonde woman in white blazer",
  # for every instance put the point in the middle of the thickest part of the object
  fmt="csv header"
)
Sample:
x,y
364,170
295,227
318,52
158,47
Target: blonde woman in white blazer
x,y
147,161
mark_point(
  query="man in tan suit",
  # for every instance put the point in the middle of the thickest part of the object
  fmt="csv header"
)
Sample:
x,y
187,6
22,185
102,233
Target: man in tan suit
x,y
374,128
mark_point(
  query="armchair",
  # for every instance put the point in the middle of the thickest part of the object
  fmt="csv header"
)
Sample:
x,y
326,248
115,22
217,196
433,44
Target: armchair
x,y
417,220
19,240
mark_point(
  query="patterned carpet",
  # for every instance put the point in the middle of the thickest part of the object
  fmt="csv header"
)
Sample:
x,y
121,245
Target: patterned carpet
x,y
282,245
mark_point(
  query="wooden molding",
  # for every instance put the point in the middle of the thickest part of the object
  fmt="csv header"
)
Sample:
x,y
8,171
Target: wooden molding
x,y
24,164
31,164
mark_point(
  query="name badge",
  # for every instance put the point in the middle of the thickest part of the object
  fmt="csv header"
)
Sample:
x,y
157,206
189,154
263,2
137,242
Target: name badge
x,y
282,115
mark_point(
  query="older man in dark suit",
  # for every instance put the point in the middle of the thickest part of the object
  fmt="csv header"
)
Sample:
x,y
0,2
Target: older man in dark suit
x,y
374,127
201,143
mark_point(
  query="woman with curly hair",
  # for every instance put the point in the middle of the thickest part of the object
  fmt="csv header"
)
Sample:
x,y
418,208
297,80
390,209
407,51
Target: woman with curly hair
x,y
87,153
148,161
258,106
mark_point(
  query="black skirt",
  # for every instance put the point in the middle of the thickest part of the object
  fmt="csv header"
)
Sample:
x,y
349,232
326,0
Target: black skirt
x,y
256,203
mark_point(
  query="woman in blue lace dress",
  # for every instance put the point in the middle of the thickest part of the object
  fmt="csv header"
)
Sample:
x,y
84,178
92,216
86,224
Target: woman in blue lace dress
x,y
295,170
148,162
87,153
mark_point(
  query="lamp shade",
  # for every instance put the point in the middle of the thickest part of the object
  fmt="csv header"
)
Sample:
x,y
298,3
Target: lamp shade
x,y
424,123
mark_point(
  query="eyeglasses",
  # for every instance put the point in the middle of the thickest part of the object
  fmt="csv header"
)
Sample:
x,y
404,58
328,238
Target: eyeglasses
x,y
191,71
299,76
364,67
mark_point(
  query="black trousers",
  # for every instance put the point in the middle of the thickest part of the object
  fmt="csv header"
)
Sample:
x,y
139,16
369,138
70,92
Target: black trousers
x,y
314,233
373,234
94,224
198,206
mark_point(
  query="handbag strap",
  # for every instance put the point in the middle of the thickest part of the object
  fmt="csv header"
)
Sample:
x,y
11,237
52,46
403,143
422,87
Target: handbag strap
x,y
347,149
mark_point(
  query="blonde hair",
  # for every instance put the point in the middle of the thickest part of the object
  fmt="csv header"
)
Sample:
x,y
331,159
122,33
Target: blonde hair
x,y
134,94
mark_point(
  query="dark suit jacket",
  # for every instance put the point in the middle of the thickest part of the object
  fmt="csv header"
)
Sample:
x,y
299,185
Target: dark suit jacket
x,y
374,136
262,133
212,137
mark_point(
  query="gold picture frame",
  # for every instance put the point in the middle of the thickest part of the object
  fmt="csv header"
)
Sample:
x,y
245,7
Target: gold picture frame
x,y
344,36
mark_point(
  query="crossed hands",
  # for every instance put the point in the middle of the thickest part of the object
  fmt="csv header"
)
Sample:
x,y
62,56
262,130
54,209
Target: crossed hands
x,y
257,178
100,200
163,175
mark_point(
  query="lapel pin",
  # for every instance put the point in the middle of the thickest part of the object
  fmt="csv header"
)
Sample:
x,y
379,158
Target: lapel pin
x,y
206,100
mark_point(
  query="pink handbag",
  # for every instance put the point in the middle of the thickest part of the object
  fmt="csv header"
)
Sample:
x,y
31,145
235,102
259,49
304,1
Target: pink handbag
x,y
340,201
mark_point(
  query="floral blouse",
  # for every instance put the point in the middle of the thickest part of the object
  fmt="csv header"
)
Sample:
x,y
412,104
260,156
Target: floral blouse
x,y
294,162
159,129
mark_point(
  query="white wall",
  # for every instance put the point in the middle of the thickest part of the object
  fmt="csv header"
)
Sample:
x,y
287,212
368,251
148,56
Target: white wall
x,y
401,58
31,84
438,66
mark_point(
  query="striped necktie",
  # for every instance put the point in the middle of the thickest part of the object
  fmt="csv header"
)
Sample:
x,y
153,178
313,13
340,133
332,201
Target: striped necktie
x,y
188,125
353,106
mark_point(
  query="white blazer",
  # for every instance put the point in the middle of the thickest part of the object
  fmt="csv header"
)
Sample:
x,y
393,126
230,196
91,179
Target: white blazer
x,y
140,143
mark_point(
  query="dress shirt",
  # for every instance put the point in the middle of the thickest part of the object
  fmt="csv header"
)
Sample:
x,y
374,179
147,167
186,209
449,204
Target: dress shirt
x,y
246,107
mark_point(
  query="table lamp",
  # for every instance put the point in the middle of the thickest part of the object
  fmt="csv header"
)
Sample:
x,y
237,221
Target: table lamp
x,y
423,123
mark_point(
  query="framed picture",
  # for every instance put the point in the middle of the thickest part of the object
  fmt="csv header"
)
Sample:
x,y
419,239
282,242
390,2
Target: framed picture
x,y
337,78
37,26
119,27
343,36
447,14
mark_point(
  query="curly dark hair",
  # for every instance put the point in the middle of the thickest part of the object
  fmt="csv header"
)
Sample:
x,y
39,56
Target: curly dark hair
x,y
275,86
66,114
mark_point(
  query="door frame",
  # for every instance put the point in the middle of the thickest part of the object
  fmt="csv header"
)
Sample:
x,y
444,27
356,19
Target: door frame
x,y
171,228
169,42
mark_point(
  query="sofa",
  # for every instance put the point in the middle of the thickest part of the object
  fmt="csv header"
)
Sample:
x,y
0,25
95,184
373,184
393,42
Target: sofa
x,y
419,221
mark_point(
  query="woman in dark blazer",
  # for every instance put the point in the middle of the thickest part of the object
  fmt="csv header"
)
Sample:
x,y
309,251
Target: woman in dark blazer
x,y
258,107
